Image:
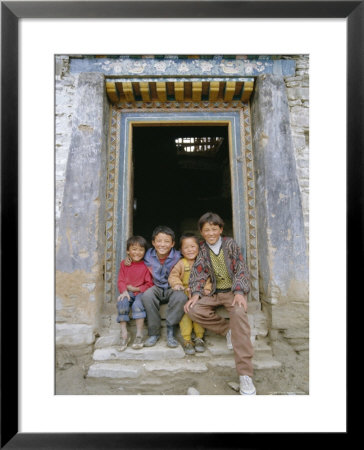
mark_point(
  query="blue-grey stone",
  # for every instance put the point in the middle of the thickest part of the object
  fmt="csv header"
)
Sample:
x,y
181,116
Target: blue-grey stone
x,y
81,237
283,259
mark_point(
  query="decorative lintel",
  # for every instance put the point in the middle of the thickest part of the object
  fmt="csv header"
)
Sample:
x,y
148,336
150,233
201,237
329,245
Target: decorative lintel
x,y
120,90
184,66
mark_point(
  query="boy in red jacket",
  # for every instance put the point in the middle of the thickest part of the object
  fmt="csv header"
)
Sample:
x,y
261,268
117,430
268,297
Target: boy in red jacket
x,y
134,279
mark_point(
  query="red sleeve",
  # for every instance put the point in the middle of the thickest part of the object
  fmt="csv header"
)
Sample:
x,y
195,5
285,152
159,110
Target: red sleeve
x,y
122,278
148,280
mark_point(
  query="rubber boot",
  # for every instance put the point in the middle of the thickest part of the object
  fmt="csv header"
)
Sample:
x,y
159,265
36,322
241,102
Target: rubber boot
x,y
171,341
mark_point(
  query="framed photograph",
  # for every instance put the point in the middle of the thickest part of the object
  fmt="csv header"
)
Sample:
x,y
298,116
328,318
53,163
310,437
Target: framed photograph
x,y
46,46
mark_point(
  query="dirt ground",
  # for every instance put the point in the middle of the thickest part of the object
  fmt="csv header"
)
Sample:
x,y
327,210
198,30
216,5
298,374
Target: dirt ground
x,y
292,378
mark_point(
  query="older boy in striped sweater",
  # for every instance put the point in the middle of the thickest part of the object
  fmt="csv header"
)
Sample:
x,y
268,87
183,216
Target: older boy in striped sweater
x,y
220,259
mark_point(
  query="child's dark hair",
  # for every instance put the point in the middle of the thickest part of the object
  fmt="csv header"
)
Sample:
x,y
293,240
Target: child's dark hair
x,y
165,230
188,236
137,240
212,218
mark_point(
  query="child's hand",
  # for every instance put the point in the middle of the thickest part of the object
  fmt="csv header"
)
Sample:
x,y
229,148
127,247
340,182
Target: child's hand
x,y
191,303
132,288
240,300
127,260
178,287
207,291
124,294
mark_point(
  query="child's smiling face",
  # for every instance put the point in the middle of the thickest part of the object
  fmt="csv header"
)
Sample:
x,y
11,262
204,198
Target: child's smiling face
x,y
189,248
211,233
163,244
136,252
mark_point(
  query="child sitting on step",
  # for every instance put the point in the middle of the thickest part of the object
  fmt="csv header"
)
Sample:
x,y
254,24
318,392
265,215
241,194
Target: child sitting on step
x,y
160,259
220,259
178,279
134,279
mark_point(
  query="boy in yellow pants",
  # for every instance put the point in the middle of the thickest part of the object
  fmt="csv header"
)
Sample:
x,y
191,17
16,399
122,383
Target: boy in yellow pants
x,y
178,280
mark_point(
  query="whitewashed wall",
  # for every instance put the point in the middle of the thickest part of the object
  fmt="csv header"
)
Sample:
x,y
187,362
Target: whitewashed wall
x,y
298,100
65,86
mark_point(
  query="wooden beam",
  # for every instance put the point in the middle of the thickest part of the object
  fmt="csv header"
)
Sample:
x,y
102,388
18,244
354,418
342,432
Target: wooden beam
x,y
196,91
128,91
161,91
179,91
116,91
144,91
229,91
214,91
112,92
247,91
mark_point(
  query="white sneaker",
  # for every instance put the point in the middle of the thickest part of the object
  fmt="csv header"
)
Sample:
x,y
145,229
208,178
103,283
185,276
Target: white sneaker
x,y
246,385
228,340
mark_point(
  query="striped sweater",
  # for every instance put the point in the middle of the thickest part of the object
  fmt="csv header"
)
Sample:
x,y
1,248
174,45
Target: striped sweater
x,y
235,263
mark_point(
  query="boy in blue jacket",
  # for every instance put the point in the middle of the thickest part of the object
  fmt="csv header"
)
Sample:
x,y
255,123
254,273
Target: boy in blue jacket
x,y
160,260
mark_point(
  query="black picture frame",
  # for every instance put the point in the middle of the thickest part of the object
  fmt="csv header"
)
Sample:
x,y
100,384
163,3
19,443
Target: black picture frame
x,y
11,12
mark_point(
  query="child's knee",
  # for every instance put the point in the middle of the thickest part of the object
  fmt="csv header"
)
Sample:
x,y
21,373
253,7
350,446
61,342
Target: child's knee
x,y
148,296
138,313
179,297
123,306
138,309
238,312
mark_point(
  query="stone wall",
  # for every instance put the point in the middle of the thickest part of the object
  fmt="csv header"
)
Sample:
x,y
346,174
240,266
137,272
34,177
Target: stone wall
x,y
298,101
280,156
297,334
65,88
80,251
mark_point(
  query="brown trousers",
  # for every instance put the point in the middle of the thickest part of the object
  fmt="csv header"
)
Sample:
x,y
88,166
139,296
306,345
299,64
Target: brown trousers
x,y
204,313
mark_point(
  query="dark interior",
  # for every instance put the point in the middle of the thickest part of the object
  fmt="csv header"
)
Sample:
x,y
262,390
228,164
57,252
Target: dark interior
x,y
175,188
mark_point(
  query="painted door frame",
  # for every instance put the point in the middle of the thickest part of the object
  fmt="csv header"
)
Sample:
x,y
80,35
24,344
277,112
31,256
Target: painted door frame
x,y
120,227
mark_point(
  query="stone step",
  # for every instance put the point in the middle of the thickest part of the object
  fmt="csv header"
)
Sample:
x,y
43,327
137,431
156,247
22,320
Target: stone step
x,y
266,364
161,360
108,370
111,337
260,325
159,352
262,348
106,348
108,340
149,369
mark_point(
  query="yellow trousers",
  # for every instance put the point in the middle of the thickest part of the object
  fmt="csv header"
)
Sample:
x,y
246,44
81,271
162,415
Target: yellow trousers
x,y
186,325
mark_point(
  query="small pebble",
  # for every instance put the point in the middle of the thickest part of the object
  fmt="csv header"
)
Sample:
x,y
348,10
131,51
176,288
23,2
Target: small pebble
x,y
192,391
234,386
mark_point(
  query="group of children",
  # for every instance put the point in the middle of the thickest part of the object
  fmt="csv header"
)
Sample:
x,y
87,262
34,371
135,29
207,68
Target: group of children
x,y
192,282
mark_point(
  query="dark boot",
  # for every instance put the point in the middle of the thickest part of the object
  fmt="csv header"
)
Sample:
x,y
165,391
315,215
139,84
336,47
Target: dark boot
x,y
171,341
151,341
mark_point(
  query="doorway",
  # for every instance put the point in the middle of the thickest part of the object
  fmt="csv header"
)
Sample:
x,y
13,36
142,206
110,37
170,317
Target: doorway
x,y
158,176
180,172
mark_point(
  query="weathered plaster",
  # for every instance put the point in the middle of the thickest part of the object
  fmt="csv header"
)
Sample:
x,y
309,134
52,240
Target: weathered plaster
x,y
81,239
76,295
282,249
